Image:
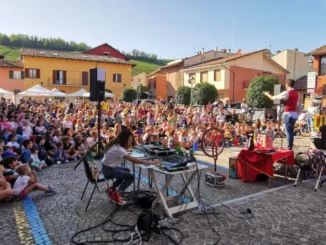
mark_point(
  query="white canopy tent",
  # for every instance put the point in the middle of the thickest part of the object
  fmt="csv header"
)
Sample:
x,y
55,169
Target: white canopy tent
x,y
56,92
36,90
79,93
106,95
6,94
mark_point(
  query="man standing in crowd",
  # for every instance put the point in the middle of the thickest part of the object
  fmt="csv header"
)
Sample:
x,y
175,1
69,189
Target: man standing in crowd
x,y
290,114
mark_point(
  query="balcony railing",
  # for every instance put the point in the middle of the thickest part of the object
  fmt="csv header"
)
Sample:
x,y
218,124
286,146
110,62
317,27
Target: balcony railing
x,y
67,82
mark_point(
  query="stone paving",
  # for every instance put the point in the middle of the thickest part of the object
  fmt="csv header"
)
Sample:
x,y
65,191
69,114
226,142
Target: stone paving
x,y
284,215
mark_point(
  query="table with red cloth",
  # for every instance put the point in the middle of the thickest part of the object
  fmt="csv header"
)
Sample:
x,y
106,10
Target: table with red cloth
x,y
252,163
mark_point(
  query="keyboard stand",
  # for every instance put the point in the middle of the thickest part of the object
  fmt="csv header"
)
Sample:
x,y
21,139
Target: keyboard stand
x,y
169,176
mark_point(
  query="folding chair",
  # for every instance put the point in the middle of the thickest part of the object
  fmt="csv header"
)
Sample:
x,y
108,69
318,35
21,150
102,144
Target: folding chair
x,y
92,180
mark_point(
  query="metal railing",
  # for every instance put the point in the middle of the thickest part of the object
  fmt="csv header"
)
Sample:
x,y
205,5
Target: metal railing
x,y
67,82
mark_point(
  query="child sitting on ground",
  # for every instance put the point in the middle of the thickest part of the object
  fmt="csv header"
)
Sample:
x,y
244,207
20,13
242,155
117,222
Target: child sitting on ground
x,y
27,181
10,164
13,144
59,154
36,163
25,157
5,188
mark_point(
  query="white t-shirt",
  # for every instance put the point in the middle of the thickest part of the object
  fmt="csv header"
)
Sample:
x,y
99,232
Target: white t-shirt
x,y
114,156
21,183
220,118
27,131
67,124
13,144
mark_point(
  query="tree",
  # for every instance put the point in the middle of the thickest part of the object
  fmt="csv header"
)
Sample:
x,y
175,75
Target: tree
x,y
129,94
144,88
255,92
183,95
203,93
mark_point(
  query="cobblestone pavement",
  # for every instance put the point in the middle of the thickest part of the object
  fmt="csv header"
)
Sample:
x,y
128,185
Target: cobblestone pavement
x,y
280,215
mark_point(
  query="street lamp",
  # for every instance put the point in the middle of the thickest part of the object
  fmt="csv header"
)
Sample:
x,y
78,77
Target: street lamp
x,y
190,82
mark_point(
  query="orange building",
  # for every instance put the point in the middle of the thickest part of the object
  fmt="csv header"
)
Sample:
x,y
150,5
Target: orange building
x,y
157,85
319,66
69,71
11,75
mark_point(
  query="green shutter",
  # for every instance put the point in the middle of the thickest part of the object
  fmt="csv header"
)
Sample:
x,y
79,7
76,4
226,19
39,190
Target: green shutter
x,y
22,76
11,74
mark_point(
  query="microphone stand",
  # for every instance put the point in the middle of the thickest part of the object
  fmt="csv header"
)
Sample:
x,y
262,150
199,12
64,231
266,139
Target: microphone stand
x,y
98,143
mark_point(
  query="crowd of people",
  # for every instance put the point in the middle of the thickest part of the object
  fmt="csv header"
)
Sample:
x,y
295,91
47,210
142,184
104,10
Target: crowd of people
x,y
34,135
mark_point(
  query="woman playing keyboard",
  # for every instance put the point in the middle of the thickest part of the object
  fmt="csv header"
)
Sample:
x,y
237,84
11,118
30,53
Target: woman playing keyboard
x,y
114,156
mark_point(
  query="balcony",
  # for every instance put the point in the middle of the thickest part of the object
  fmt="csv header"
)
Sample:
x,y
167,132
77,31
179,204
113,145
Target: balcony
x,y
67,82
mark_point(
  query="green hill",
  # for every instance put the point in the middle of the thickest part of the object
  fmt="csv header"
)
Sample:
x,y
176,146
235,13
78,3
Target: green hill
x,y
141,66
10,53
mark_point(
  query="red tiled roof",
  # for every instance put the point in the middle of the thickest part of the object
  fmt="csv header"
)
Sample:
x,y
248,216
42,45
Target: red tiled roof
x,y
72,56
318,51
301,83
11,64
232,57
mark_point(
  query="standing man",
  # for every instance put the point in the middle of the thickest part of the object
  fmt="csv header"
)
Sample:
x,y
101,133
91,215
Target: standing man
x,y
244,107
290,114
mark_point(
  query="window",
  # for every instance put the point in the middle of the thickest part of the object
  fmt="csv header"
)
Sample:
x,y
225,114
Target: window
x,y
204,77
155,84
117,78
220,96
85,78
17,75
32,73
322,70
217,75
192,78
59,77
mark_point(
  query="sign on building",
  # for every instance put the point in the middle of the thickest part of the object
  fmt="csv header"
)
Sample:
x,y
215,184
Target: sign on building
x,y
311,80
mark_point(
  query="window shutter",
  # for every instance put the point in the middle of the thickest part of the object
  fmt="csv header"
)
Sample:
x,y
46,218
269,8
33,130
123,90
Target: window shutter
x,y
120,78
22,75
64,77
26,73
54,77
38,73
114,76
11,74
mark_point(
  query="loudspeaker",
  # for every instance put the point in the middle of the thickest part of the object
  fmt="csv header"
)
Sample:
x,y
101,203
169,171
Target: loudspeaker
x,y
97,84
278,88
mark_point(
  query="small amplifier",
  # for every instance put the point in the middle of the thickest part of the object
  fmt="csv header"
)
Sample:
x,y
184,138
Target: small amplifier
x,y
215,179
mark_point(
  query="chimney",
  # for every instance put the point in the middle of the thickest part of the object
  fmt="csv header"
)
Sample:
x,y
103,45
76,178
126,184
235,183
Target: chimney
x,y
202,51
223,50
229,51
2,57
239,51
296,50
216,49
278,51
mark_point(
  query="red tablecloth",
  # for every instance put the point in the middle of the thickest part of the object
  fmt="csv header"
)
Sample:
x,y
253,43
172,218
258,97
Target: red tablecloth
x,y
256,163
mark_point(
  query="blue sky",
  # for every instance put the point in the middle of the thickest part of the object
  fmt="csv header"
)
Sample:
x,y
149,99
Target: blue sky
x,y
172,28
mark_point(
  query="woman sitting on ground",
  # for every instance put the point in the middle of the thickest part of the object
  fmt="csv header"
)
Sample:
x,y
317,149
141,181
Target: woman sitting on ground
x,y
115,154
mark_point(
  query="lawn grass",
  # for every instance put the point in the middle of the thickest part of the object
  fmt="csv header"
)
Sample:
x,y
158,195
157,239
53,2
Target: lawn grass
x,y
10,53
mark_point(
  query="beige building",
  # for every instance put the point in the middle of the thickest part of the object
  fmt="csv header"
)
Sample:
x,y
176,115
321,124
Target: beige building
x,y
294,61
232,75
297,63
139,79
